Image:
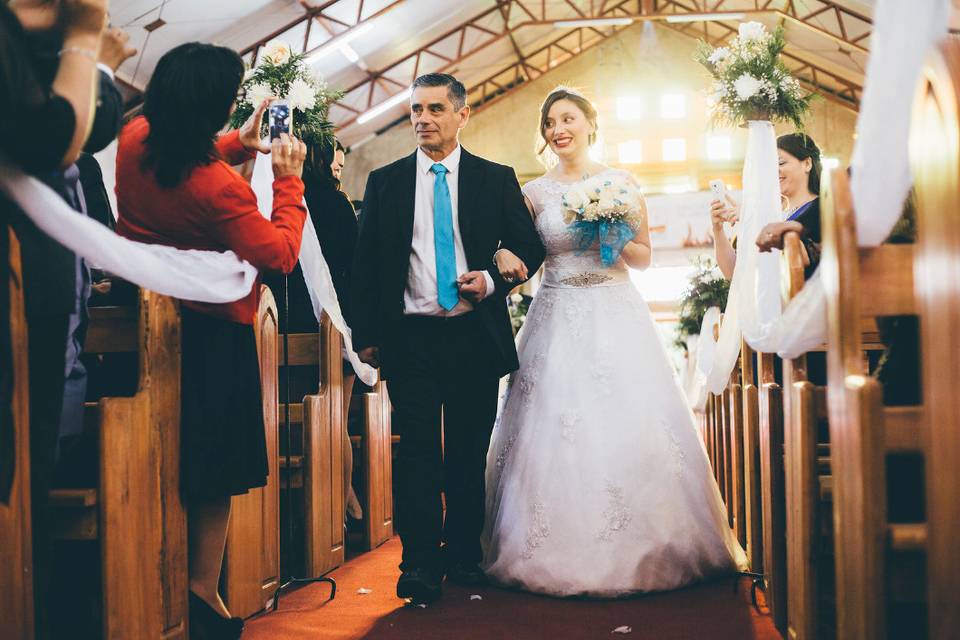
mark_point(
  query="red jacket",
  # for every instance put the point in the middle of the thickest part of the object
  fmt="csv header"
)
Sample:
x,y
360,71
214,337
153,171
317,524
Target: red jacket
x,y
213,209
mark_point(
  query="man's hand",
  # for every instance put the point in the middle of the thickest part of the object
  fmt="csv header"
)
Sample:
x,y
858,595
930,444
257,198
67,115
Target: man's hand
x,y
250,131
114,49
370,356
473,286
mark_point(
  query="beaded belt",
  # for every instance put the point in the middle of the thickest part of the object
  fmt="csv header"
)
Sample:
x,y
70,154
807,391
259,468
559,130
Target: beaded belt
x,y
585,278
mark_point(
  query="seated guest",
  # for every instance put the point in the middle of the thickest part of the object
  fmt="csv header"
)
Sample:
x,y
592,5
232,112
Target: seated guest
x,y
799,168
175,187
335,222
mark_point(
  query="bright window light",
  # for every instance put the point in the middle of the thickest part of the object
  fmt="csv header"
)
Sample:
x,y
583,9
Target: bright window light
x,y
830,163
674,150
630,152
673,106
678,185
662,284
719,148
629,108
596,150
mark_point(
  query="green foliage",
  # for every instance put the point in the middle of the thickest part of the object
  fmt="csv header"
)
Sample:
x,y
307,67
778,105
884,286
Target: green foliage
x,y
311,124
707,289
751,81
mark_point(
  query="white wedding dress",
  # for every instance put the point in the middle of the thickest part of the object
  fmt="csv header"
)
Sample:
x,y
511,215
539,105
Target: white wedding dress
x,y
597,481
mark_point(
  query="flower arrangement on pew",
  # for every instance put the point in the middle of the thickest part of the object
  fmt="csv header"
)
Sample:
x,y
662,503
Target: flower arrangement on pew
x,y
282,74
606,210
751,81
707,288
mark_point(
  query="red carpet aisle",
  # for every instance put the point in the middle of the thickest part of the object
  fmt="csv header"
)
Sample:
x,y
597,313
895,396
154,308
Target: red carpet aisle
x,y
709,611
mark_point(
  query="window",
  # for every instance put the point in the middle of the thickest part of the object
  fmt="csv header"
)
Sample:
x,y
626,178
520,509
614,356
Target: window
x,y
673,106
630,152
719,148
629,108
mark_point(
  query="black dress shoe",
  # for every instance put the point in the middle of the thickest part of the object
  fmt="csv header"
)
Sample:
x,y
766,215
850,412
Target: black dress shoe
x,y
420,585
466,575
207,624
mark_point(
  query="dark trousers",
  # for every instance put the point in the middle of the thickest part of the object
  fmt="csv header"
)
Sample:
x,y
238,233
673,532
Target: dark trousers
x,y
441,372
47,339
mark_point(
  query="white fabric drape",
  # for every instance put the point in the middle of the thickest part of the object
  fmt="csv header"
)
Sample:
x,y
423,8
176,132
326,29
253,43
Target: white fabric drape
x,y
316,273
903,34
203,276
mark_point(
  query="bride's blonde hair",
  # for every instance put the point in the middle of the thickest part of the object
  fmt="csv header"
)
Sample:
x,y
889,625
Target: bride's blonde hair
x,y
563,92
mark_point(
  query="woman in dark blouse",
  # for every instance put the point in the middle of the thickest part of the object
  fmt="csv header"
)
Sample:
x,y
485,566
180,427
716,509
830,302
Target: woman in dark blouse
x,y
335,221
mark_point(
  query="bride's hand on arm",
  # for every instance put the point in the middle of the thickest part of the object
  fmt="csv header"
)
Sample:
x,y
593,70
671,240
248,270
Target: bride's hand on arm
x,y
511,268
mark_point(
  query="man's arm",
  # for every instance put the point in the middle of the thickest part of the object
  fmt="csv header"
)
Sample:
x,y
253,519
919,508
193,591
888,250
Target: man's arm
x,y
364,279
519,234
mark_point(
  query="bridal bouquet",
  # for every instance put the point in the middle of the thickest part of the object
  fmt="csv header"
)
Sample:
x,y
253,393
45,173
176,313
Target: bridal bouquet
x,y
751,81
282,74
603,209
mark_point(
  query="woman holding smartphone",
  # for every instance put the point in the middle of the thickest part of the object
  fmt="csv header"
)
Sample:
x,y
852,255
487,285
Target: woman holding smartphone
x,y
799,171
175,186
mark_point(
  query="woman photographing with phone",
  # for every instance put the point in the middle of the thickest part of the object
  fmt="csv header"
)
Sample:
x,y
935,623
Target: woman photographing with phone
x,y
799,169
175,186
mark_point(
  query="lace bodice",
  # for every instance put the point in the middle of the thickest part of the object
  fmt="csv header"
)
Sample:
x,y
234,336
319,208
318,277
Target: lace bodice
x,y
564,266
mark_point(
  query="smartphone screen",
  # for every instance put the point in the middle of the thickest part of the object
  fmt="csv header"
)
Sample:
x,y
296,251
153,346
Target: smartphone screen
x,y
279,118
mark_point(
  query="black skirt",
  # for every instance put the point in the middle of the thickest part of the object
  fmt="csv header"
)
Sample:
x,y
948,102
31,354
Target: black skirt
x,y
223,449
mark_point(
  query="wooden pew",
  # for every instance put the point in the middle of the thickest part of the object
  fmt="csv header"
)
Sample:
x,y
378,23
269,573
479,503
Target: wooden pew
x,y
378,466
16,559
752,495
801,473
736,498
251,570
773,491
863,283
935,156
136,512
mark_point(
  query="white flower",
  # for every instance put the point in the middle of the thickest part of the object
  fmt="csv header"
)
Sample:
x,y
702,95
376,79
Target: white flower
x,y
752,32
278,51
302,95
576,198
516,298
719,55
257,93
746,86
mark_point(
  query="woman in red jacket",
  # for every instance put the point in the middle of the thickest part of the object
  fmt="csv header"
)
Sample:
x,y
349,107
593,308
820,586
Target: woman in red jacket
x,y
175,187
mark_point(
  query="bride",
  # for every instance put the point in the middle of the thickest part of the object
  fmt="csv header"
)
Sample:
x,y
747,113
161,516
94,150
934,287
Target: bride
x,y
597,482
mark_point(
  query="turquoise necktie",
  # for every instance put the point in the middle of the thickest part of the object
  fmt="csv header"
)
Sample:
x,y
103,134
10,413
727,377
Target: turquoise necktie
x,y
446,258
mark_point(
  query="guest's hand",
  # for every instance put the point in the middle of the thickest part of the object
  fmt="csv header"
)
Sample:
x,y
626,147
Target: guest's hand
x,y
724,212
101,288
511,268
288,156
83,17
771,236
370,356
473,286
114,49
250,131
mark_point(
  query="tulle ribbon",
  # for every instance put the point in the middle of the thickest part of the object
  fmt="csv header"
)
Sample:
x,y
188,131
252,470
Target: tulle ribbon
x,y
613,237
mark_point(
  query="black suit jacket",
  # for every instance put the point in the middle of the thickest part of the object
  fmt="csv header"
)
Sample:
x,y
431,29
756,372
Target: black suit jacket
x,y
492,215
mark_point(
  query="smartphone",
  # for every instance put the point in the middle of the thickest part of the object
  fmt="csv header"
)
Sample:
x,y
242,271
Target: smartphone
x,y
718,189
280,119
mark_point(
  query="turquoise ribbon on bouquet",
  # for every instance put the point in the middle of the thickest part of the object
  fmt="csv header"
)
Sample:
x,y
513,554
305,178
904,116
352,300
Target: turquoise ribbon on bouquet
x,y
613,237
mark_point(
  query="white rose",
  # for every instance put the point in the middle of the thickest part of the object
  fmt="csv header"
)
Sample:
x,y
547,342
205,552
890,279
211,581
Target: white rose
x,y
719,55
576,198
257,93
752,32
746,86
278,51
302,95
516,298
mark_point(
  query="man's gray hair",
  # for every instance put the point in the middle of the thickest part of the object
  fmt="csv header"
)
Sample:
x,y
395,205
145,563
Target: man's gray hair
x,y
455,89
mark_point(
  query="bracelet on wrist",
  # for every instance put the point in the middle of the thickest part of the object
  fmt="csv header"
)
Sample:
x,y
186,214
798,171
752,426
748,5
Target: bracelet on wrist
x,y
87,53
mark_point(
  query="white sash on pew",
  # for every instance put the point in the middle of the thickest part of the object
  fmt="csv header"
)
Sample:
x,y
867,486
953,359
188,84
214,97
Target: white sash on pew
x,y
903,34
316,273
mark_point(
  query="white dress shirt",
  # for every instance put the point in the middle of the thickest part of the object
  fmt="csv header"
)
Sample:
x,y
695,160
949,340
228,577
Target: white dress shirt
x,y
421,295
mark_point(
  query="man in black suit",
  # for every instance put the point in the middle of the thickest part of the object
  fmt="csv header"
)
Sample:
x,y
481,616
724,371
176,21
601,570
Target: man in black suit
x,y
429,308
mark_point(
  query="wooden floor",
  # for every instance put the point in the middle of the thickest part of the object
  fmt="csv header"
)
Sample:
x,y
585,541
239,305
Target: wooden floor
x,y
705,611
